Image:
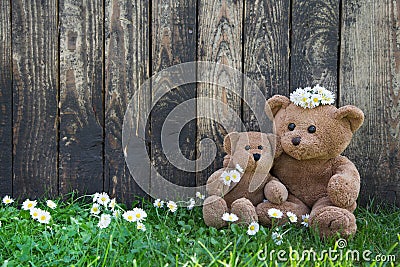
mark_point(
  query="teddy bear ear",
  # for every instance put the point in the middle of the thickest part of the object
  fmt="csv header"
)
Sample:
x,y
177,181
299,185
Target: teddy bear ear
x,y
230,142
351,113
276,103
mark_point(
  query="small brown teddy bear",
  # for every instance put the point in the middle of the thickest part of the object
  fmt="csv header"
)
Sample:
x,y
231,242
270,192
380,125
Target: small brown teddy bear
x,y
239,186
317,177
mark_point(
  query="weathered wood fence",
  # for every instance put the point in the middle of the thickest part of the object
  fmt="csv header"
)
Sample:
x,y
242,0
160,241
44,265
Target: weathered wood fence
x,y
68,69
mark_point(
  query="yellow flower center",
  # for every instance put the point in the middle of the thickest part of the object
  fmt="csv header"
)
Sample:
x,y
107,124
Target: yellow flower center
x,y
315,99
305,220
30,205
43,218
275,214
138,215
252,227
227,178
130,217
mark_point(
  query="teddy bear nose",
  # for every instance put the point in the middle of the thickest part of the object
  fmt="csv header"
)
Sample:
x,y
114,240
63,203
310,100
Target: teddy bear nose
x,y
256,156
296,141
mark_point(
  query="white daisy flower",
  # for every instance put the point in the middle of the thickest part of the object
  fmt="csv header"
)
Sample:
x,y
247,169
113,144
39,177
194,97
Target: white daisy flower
x,y
275,213
253,228
44,217
305,219
35,212
95,196
296,96
292,217
7,200
200,195
105,220
51,204
239,169
29,204
103,199
327,98
191,204
139,214
277,238
129,215
235,176
230,217
226,178
141,226
116,213
158,203
319,89
95,209
112,204
172,206
315,100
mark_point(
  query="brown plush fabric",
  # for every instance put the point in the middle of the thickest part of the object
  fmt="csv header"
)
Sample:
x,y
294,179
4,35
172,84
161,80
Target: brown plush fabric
x,y
311,166
240,198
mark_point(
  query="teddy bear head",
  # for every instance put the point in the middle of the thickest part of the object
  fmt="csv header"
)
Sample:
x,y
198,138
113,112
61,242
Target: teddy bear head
x,y
322,132
252,151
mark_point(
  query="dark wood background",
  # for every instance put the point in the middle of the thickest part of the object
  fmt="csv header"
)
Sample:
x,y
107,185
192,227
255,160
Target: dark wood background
x,y
69,67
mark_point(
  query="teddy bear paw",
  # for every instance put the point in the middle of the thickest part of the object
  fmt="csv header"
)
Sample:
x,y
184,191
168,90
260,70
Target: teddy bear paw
x,y
331,220
245,210
276,192
213,209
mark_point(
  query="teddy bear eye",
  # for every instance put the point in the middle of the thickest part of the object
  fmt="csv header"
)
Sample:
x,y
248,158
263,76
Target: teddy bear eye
x,y
312,129
291,126
247,147
260,147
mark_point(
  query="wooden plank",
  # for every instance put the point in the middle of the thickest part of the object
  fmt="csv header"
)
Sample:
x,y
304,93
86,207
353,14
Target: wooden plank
x,y
35,89
81,96
220,40
314,43
173,42
369,79
266,50
127,67
5,100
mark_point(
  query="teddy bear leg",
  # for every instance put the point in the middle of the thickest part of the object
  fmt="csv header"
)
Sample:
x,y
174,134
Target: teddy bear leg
x,y
292,204
213,209
330,220
245,210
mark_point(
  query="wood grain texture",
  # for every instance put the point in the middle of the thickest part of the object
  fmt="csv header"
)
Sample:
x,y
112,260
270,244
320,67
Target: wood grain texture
x,y
266,50
173,42
35,89
5,100
369,79
220,41
81,96
314,43
127,67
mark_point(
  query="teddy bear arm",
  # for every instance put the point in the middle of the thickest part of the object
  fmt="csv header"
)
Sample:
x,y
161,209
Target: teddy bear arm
x,y
275,191
215,185
344,185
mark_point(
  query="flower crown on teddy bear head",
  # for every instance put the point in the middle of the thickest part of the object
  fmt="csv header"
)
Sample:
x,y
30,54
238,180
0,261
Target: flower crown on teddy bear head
x,y
312,97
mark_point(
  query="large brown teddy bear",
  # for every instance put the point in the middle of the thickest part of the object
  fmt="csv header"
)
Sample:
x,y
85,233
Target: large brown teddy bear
x,y
317,177
251,155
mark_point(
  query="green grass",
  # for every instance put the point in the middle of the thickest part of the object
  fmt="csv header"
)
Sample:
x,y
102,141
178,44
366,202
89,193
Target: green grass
x,y
72,238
